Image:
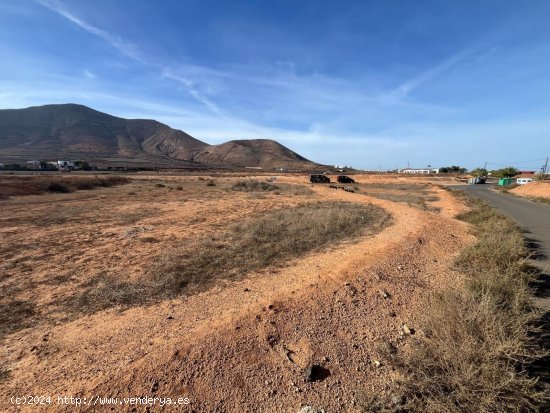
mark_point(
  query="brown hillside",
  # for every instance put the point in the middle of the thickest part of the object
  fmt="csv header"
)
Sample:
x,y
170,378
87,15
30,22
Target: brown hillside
x,y
264,153
76,131
72,131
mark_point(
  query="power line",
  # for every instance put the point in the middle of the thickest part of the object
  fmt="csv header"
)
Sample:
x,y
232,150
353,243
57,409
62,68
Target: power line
x,y
516,162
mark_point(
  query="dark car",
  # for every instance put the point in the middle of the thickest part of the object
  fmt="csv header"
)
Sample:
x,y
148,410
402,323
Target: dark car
x,y
343,179
319,179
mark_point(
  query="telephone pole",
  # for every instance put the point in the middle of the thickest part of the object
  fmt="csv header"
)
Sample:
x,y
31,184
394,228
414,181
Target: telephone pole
x,y
545,169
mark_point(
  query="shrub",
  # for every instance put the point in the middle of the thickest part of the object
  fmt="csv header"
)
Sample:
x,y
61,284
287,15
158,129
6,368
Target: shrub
x,y
58,187
248,186
479,342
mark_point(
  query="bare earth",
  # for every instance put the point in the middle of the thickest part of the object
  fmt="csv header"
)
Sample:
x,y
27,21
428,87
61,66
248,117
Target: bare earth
x,y
241,346
533,189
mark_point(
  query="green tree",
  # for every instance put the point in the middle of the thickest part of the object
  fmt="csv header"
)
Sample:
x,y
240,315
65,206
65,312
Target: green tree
x,y
479,172
452,169
507,172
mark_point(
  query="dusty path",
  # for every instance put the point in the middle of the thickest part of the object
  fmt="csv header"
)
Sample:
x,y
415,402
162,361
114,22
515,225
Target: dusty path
x,y
243,346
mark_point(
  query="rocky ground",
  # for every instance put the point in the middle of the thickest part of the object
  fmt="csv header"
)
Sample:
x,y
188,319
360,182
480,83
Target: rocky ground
x,y
312,336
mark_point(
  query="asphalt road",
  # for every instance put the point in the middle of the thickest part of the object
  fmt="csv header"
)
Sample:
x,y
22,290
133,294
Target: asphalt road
x,y
532,217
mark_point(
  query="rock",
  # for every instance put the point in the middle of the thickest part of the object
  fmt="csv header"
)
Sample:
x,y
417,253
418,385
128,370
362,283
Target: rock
x,y
309,409
383,293
169,317
376,363
407,330
392,314
246,290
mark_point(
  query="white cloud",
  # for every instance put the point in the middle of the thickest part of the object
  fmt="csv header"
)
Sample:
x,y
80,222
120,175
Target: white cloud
x,y
432,73
123,46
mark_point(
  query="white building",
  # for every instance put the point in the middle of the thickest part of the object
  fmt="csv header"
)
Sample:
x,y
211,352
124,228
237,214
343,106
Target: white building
x,y
34,164
419,171
65,164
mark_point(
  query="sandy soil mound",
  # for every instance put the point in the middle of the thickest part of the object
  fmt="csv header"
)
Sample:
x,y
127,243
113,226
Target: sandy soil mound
x,y
533,189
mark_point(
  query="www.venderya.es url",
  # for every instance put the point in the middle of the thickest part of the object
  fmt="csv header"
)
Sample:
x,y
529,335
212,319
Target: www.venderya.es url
x,y
98,401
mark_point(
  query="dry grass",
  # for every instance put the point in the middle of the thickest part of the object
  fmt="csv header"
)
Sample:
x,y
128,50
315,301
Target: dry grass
x,y
257,188
477,342
270,240
11,185
15,315
505,188
250,186
540,199
105,292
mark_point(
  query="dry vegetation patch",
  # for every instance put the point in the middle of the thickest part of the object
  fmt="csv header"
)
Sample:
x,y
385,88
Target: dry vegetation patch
x,y
416,195
248,186
11,185
255,187
477,341
269,240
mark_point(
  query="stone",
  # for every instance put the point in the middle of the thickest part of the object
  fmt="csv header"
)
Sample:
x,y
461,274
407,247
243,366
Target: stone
x,y
407,330
383,293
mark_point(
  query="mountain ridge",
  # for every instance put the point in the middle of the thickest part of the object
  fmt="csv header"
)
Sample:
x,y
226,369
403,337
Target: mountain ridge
x,y
67,131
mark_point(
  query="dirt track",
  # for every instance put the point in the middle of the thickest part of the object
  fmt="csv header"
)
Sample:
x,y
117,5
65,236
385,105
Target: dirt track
x,y
243,346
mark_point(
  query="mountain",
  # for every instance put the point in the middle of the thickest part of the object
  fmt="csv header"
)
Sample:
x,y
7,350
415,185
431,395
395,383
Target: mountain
x,y
71,131
74,131
264,153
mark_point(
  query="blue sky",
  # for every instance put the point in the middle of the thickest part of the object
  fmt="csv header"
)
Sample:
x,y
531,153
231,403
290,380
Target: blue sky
x,y
367,83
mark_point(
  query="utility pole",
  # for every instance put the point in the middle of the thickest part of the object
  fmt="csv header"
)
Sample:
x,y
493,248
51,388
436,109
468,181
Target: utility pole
x,y
545,169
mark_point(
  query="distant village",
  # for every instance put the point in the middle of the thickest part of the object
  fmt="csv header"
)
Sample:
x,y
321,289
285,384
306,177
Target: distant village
x,y
63,166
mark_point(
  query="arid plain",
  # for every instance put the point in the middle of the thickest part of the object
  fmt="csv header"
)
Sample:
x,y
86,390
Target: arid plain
x,y
84,319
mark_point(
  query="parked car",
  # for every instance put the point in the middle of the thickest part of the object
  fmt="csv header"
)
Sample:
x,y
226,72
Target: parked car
x,y
319,179
343,179
523,181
